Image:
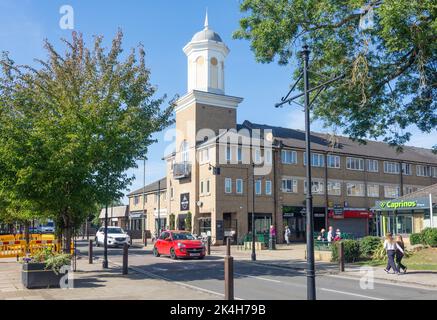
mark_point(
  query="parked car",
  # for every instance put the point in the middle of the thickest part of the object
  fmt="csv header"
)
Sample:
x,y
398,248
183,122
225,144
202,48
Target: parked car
x,y
48,228
116,237
178,244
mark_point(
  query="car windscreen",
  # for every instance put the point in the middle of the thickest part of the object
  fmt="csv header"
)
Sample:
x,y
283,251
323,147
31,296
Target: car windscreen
x,y
183,236
114,230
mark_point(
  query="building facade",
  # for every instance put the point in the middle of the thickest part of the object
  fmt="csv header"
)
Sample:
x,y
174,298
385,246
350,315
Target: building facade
x,y
222,171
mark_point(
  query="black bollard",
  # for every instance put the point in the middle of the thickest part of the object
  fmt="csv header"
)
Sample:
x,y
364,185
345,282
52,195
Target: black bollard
x,y
125,260
208,246
90,251
229,272
341,255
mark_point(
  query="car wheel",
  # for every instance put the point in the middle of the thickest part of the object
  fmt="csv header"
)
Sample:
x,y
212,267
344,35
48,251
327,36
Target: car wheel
x,y
173,254
155,252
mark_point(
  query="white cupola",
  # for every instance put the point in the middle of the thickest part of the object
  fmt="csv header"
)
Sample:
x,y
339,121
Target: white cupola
x,y
206,55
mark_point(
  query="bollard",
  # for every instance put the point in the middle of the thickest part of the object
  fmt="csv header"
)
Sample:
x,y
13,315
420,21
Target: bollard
x,y
341,255
208,246
229,272
145,241
90,251
125,255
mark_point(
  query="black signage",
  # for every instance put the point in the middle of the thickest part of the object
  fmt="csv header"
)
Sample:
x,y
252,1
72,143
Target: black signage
x,y
220,233
185,201
338,210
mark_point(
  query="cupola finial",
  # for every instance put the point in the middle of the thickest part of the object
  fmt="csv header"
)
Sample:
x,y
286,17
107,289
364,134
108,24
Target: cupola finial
x,y
206,20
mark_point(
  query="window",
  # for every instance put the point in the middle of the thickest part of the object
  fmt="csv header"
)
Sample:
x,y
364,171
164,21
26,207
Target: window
x,y
268,156
136,200
257,155
317,187
355,163
258,186
240,154
334,188
422,171
171,193
409,189
204,156
317,160
289,185
391,167
239,186
372,165
208,186
228,153
406,169
391,191
355,189
202,191
184,151
228,185
289,157
333,161
373,190
268,187
434,172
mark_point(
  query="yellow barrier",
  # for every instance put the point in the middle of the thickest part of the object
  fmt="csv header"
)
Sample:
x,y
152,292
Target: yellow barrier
x,y
12,249
48,237
7,237
18,248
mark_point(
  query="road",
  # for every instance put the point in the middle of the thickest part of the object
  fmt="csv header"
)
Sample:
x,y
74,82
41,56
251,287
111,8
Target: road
x,y
255,281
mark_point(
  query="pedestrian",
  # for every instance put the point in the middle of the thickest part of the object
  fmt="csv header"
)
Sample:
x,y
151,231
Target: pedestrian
x,y
287,235
391,246
322,235
400,253
337,235
330,234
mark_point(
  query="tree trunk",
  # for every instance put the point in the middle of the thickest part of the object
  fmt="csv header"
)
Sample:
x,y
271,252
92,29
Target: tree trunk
x,y
67,233
26,232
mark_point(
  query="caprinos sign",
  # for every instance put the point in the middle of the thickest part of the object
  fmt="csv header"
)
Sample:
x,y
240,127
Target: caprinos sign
x,y
409,204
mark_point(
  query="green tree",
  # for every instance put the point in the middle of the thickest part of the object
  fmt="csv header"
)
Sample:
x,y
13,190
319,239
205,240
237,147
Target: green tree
x,y
390,63
71,128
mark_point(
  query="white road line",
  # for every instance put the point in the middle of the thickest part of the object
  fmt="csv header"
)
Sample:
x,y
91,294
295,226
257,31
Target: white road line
x,y
255,277
350,294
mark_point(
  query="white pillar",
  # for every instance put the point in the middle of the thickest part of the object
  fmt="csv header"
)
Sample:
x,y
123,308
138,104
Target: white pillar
x,y
431,220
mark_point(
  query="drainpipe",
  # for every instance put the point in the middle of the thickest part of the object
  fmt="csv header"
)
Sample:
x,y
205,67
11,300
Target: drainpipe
x,y
431,211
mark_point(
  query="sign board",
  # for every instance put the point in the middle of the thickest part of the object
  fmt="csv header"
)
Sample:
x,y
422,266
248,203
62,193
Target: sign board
x,y
409,204
338,210
185,201
219,230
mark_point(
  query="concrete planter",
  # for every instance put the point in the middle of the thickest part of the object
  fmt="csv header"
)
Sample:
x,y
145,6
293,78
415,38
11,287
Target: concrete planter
x,y
34,276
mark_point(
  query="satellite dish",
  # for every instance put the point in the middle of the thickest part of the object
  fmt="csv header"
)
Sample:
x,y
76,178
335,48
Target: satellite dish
x,y
199,203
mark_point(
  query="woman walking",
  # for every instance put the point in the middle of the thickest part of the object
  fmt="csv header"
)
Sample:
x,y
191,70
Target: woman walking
x,y
400,254
391,246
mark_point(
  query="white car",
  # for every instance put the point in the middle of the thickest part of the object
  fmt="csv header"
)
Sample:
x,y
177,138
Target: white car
x,y
48,228
116,237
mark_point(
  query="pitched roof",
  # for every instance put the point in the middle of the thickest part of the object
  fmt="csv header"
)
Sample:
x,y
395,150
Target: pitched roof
x,y
115,212
421,193
154,186
322,142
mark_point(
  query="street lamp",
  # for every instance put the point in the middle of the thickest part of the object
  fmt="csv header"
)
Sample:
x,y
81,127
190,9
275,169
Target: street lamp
x,y
253,256
310,272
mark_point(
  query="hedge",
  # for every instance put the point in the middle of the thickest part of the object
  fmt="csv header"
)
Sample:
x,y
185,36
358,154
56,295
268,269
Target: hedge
x,y
351,250
429,237
368,245
416,238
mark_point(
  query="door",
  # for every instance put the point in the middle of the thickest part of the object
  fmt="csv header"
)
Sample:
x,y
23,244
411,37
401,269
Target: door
x,y
297,228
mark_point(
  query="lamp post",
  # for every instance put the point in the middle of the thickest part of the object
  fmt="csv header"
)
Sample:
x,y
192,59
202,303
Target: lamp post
x,y
310,271
143,224
253,256
159,207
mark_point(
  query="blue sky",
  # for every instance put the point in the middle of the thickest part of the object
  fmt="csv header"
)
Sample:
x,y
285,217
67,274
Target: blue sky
x,y
163,27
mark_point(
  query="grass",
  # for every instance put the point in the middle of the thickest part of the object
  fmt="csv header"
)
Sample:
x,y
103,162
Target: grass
x,y
425,259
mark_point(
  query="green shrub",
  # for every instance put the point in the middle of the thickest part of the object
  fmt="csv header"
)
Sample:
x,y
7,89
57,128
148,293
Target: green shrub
x,y
429,237
172,220
416,238
368,245
351,250
379,254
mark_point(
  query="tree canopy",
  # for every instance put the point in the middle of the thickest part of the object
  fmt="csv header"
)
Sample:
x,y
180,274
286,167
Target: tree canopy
x,y
70,129
387,50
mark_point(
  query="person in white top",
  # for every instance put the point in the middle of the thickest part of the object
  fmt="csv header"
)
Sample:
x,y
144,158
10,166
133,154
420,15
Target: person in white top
x,y
390,247
330,234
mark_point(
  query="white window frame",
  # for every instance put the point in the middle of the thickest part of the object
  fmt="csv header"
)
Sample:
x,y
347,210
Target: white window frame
x,y
288,157
240,154
257,155
373,168
406,172
337,161
319,189
202,188
349,187
208,186
228,153
373,195
293,185
434,172
391,167
258,187
268,189
359,161
228,185
425,172
239,183
331,189
268,156
314,155
391,196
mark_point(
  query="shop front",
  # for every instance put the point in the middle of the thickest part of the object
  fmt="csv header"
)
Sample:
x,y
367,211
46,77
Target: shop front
x,y
406,216
294,218
355,222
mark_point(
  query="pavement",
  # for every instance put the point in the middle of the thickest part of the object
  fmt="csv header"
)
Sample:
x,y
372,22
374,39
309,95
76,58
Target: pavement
x,y
276,275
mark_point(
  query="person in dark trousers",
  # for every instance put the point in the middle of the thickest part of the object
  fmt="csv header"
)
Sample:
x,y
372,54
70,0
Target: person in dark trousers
x,y
400,254
391,246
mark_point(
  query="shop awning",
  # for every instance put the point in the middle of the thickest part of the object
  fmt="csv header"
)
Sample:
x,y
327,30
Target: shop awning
x,y
363,214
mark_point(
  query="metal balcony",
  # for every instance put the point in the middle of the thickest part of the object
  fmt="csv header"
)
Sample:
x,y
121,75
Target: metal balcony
x,y
181,170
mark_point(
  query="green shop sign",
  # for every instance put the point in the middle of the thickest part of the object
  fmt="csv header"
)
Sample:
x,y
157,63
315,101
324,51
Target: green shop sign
x,y
410,204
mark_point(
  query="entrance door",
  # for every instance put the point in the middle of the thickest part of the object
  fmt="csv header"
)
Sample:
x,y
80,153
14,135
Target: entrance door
x,y
230,227
297,227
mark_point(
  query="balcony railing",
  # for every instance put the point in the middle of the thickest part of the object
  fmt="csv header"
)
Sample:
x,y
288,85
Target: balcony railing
x,y
181,170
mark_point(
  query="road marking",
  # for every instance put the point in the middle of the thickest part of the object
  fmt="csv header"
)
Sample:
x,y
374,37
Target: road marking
x,y
350,294
260,278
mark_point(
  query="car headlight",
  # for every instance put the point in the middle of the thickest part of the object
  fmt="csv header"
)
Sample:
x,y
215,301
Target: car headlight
x,y
181,245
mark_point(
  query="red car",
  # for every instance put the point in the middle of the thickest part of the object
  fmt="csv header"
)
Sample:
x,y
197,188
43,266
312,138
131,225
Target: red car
x,y
178,244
